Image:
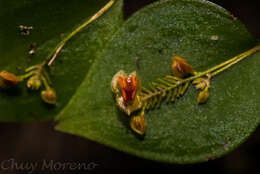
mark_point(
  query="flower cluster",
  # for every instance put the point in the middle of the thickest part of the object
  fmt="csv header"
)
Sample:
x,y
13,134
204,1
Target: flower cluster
x,y
36,76
127,89
180,68
130,97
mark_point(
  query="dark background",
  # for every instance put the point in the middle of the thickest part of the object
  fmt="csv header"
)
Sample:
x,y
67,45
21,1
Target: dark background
x,y
34,142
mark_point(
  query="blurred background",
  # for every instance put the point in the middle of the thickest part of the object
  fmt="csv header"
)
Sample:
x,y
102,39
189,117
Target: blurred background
x,y
36,142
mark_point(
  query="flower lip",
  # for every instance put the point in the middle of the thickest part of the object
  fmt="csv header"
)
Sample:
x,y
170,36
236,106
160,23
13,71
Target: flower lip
x,y
128,87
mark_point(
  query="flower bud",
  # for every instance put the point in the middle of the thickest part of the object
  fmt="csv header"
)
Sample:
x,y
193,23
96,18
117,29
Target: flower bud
x,y
8,80
49,96
34,82
180,68
201,83
203,96
138,124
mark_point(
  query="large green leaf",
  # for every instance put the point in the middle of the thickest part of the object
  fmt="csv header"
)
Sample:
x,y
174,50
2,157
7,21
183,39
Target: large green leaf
x,y
52,21
181,132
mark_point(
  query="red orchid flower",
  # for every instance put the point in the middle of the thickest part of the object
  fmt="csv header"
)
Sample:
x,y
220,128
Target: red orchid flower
x,y
128,87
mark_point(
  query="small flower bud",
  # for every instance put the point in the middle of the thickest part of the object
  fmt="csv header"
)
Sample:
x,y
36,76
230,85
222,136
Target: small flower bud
x,y
34,82
138,124
49,96
203,96
180,68
8,80
201,83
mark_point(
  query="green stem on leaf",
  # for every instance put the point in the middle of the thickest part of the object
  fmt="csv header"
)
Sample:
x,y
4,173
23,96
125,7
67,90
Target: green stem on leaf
x,y
238,59
53,54
40,68
225,65
171,85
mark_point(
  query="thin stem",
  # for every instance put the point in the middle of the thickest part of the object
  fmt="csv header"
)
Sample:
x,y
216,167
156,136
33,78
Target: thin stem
x,y
211,72
47,86
229,63
25,76
32,68
241,57
53,54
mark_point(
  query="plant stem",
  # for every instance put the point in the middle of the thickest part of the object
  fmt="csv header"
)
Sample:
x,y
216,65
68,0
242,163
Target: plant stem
x,y
225,65
46,84
25,76
53,54
239,58
210,72
39,68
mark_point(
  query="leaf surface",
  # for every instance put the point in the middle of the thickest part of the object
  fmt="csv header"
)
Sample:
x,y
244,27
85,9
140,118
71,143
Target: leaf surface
x,y
180,132
51,21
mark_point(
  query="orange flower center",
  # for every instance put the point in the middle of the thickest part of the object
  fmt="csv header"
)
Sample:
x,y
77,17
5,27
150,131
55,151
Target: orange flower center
x,y
128,87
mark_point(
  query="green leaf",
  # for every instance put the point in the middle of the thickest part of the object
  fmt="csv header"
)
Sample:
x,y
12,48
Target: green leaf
x,y
51,21
180,132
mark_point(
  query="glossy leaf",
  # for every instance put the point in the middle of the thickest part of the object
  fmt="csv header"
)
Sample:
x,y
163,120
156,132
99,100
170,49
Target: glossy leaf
x,y
51,22
181,132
